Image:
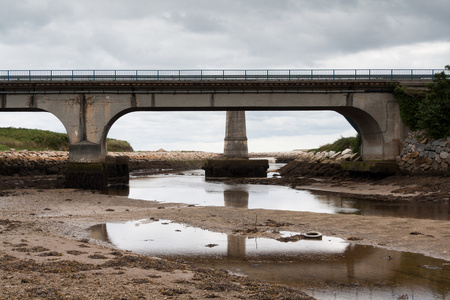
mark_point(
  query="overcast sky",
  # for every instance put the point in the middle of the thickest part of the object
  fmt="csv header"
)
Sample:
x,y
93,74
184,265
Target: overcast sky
x,y
207,34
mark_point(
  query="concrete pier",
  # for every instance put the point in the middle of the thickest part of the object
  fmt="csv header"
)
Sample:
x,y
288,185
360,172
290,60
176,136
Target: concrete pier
x,y
97,175
236,163
93,176
235,145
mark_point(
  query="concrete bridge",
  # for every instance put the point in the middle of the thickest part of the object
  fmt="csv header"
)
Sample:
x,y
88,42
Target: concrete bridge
x,y
89,102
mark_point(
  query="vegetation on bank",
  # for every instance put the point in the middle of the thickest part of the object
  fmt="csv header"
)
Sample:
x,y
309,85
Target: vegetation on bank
x,y
427,110
341,144
41,140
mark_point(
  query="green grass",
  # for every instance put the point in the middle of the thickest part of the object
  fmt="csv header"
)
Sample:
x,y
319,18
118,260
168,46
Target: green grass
x,y
118,146
4,148
341,144
41,140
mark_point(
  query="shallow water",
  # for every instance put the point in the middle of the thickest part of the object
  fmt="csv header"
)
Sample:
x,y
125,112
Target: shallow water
x,y
192,188
329,268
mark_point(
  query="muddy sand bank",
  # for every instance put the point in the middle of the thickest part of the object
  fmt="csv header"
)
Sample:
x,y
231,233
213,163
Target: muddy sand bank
x,y
47,252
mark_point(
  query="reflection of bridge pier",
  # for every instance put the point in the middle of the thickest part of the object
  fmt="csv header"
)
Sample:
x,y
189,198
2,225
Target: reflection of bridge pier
x,y
236,247
235,198
347,264
100,232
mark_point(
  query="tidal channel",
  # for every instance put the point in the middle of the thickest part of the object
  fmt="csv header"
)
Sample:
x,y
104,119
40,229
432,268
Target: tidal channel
x,y
329,268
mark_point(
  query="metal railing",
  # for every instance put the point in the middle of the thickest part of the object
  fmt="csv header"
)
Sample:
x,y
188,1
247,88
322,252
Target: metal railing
x,y
255,74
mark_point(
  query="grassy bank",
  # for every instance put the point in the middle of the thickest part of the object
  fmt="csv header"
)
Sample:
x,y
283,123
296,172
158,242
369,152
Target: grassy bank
x,y
42,140
341,144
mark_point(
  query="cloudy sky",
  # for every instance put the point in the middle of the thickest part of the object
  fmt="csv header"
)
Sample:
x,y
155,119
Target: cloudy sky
x,y
227,34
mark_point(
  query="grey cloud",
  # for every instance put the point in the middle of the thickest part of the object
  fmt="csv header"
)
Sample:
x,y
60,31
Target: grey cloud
x,y
177,34
205,34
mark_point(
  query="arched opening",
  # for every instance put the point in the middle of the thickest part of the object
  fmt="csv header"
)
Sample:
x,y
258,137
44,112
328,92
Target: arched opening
x,y
174,130
368,128
271,131
267,131
30,120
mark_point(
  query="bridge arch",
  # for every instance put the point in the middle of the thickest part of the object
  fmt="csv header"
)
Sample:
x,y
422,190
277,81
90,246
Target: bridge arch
x,y
364,123
369,129
88,110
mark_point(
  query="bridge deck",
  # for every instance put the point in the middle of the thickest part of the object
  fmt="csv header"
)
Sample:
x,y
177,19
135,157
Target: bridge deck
x,y
201,86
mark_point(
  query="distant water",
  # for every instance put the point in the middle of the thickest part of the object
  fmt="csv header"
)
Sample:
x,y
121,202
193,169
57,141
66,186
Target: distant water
x,y
190,187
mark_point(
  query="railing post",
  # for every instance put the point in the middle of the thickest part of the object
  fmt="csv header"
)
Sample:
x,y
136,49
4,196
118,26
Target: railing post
x,y
334,74
136,75
201,74
267,74
72,75
369,74
245,74
115,75
289,74
312,76
8,75
157,74
93,74
29,75
179,74
355,74
412,74
51,75
223,74
392,74
432,74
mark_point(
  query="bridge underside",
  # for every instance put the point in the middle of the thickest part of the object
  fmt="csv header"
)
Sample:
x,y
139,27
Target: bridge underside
x,y
88,110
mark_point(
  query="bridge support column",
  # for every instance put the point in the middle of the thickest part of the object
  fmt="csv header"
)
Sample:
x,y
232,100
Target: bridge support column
x,y
236,163
236,135
86,168
87,118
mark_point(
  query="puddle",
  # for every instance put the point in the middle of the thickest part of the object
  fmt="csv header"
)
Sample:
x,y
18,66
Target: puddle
x,y
191,188
326,269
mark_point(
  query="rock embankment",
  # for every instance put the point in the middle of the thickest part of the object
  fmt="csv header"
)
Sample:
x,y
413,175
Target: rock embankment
x,y
33,162
54,162
166,160
320,164
323,157
425,156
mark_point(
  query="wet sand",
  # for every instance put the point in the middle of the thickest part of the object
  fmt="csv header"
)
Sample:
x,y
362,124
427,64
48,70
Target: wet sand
x,y
47,251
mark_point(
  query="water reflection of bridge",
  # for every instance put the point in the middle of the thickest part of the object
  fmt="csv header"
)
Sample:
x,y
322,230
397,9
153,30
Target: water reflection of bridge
x,y
239,196
305,263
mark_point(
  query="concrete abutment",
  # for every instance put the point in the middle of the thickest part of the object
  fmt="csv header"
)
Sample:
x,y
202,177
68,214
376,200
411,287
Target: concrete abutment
x,y
98,175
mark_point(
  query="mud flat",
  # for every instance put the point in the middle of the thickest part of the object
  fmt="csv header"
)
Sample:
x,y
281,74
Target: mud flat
x,y
47,251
